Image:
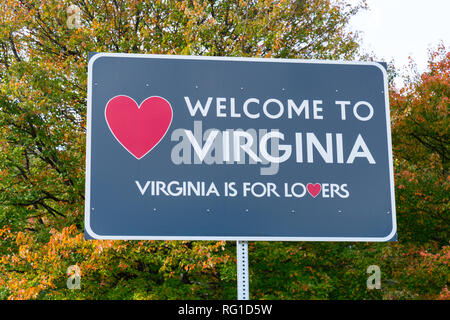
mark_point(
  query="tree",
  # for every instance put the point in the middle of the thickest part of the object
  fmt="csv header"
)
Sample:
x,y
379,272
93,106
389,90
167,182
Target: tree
x,y
43,66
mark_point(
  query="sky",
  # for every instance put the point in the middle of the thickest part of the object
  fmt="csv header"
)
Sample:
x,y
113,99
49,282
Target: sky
x,y
397,29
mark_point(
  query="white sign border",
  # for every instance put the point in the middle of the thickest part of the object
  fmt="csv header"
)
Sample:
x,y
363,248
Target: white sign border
x,y
87,207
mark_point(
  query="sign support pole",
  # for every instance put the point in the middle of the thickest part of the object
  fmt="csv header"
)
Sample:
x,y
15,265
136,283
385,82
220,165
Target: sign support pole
x,y
242,270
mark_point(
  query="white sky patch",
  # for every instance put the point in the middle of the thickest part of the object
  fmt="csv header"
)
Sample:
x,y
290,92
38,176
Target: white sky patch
x,y
397,29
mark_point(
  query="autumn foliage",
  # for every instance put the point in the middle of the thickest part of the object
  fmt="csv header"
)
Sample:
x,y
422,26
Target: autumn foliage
x,y
421,141
43,68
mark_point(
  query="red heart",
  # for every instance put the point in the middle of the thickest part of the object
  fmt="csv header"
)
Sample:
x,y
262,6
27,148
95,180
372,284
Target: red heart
x,y
138,128
314,189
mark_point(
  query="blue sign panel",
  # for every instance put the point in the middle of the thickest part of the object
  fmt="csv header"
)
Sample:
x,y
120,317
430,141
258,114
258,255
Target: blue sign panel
x,y
183,147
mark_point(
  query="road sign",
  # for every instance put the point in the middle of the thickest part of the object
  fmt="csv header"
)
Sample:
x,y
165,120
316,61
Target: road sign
x,y
184,147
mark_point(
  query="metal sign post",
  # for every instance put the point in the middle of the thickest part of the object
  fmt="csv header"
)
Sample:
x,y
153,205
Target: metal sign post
x,y
242,270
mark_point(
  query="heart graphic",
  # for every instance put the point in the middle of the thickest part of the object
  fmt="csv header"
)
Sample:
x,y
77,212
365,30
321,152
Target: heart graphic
x,y
138,128
313,189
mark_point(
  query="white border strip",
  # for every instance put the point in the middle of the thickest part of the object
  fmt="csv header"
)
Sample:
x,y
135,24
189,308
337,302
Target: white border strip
x,y
87,206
